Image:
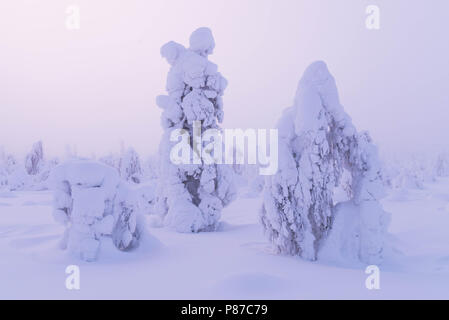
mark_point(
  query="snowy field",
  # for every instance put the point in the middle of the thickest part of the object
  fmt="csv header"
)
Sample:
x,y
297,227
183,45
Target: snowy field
x,y
155,150
234,263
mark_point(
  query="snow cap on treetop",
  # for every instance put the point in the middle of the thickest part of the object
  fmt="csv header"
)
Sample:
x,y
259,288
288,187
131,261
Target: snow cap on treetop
x,y
171,51
202,41
318,79
316,73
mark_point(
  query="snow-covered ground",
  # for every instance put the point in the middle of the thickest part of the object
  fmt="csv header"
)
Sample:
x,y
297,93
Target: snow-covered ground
x,y
233,263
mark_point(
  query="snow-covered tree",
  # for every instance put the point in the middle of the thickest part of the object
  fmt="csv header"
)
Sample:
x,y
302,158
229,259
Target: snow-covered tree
x,y
92,202
129,167
35,159
412,171
442,166
45,172
14,175
3,179
192,195
3,172
3,168
127,225
317,144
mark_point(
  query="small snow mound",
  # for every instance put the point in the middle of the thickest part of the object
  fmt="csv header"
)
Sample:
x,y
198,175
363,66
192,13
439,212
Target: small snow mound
x,y
344,246
202,41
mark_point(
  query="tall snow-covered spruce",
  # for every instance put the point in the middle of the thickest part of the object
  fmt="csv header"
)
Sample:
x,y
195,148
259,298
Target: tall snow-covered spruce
x,y
318,144
191,196
35,159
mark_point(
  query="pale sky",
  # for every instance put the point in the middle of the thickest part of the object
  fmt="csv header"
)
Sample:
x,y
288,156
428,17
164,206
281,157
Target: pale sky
x,y
96,87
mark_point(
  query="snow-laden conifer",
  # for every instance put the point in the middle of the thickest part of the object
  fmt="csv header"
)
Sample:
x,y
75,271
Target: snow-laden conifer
x,y
191,196
317,144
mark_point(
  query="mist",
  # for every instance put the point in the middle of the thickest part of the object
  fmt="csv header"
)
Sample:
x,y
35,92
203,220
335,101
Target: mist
x,y
94,89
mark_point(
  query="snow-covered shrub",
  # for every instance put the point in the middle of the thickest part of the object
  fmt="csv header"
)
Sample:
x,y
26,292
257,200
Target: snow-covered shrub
x,y
192,195
256,186
146,195
6,162
92,202
425,165
129,167
317,144
442,165
35,159
410,171
411,177
17,177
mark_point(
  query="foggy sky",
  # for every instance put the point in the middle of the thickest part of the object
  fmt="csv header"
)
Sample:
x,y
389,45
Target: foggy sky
x,y
96,87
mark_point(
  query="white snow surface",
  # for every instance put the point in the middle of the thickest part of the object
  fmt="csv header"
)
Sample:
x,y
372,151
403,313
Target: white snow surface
x,y
236,262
